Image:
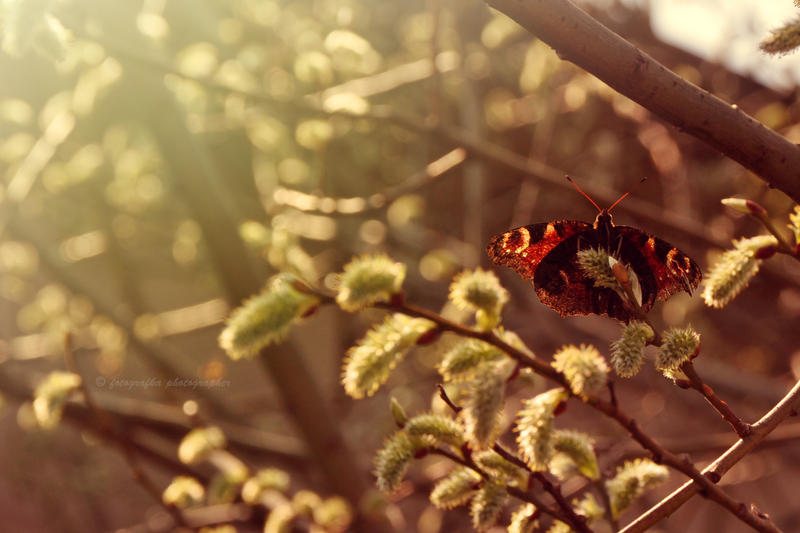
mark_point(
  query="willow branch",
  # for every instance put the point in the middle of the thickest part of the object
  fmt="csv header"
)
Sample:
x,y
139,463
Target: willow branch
x,y
660,454
570,516
518,493
785,408
739,426
582,40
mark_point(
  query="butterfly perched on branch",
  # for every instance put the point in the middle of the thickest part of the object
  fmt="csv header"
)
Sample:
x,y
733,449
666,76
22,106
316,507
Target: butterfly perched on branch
x,y
547,254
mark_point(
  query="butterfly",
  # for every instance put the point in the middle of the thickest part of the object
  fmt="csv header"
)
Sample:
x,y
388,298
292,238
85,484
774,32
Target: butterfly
x,y
547,254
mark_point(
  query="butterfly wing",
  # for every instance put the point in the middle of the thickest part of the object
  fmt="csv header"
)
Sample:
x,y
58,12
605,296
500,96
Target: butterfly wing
x,y
546,254
562,285
670,269
524,248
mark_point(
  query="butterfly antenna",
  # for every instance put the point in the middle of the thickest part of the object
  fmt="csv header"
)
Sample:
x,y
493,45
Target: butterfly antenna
x,y
583,193
626,194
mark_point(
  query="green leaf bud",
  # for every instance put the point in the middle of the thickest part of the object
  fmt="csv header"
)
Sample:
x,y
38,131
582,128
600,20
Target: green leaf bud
x,y
743,205
398,413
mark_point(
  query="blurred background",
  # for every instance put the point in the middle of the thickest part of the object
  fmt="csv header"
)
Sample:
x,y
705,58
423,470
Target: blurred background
x,y
160,160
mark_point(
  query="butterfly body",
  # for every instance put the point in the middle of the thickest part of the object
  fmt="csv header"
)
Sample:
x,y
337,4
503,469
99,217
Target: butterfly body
x,y
547,254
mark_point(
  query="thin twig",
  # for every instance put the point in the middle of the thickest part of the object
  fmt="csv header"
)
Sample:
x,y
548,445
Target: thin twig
x,y
660,454
530,167
784,246
108,428
446,399
782,410
514,491
572,518
609,513
739,426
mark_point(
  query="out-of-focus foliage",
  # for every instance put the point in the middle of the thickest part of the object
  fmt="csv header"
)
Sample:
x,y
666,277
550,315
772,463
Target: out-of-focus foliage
x,y
131,130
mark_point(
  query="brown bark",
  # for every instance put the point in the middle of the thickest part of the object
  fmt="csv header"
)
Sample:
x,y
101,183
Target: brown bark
x,y
580,39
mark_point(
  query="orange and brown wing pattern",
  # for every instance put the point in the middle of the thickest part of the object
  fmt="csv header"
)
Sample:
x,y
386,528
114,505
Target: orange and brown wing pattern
x,y
672,269
524,248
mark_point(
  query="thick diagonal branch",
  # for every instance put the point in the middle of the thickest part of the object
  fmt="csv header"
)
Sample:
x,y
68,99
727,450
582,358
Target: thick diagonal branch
x,y
579,38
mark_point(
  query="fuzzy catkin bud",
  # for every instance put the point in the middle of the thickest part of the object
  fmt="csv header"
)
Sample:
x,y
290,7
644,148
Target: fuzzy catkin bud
x,y
784,39
183,491
266,479
627,353
579,448
199,443
439,428
594,263
368,365
334,514
677,347
631,480
480,291
584,368
455,489
467,359
523,520
369,279
534,428
589,507
280,519
305,501
794,223
486,505
392,460
481,413
265,318
734,270
51,395
503,470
